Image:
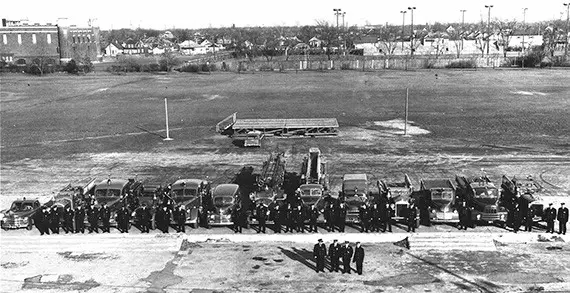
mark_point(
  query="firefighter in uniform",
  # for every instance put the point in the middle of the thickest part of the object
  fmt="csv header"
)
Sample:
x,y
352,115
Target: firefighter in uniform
x,y
146,218
320,253
363,217
54,220
517,218
329,217
68,220
93,218
334,255
276,219
261,215
529,219
346,252
386,218
300,219
236,219
358,257
313,216
79,219
39,221
562,219
411,216
375,217
180,218
164,219
550,214
463,216
290,222
123,217
341,216
105,218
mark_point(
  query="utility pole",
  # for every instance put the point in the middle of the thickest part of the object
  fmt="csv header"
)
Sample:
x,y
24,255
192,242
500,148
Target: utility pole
x,y
337,13
462,26
412,32
524,32
403,23
166,112
343,27
488,26
567,28
406,120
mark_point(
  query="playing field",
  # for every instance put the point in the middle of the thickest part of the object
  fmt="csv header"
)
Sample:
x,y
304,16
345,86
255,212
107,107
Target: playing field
x,y
60,128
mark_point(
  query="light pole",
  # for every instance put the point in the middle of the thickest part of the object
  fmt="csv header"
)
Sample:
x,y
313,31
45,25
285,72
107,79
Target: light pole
x,y
412,32
337,13
462,26
567,28
403,23
343,27
524,31
488,26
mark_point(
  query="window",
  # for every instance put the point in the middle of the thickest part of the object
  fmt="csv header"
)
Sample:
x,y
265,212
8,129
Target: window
x,y
19,39
49,38
5,39
34,38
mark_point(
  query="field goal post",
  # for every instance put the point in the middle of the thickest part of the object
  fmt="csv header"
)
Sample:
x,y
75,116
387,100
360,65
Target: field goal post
x,y
226,123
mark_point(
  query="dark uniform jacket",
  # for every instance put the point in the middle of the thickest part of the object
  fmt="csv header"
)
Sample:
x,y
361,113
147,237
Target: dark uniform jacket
x,y
334,251
563,215
145,215
79,216
105,214
550,214
93,215
123,216
412,214
320,251
363,214
180,216
358,255
346,252
313,214
261,213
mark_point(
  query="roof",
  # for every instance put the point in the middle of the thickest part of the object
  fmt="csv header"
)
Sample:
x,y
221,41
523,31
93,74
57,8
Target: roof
x,y
310,186
111,184
225,190
285,123
436,183
367,40
354,177
188,182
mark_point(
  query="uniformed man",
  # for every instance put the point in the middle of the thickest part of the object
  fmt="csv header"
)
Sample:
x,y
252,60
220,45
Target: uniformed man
x,y
329,216
180,218
300,218
517,218
550,214
313,217
375,212
164,218
276,219
562,219
93,219
105,214
146,218
358,257
283,214
203,216
529,219
386,218
39,221
79,219
320,253
236,219
411,215
123,217
463,216
341,216
54,220
261,216
68,220
363,217
346,252
290,223
334,255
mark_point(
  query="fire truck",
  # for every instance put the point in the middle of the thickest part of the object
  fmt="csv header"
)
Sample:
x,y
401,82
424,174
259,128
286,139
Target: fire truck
x,y
483,197
440,195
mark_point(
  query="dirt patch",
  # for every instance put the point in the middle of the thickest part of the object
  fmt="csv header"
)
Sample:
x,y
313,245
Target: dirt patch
x,y
396,126
160,280
405,280
60,283
85,256
515,277
13,265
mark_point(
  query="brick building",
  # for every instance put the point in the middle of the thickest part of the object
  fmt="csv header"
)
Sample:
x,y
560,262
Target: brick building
x,y
25,44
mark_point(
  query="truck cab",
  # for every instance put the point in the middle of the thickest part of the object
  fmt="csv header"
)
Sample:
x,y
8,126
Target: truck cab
x,y
354,193
225,197
441,196
114,193
189,193
483,196
399,194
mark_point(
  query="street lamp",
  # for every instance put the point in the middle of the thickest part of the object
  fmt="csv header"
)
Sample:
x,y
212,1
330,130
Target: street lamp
x,y
462,26
403,23
488,26
343,14
337,13
567,28
412,31
524,31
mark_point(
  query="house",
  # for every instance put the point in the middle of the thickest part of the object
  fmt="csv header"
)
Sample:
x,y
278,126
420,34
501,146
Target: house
x,y
113,49
133,47
190,47
315,42
368,45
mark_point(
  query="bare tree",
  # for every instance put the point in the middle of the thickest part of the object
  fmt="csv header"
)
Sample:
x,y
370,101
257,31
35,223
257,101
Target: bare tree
x,y
168,60
506,30
329,36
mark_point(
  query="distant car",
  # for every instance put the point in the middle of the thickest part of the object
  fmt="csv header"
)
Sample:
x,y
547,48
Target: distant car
x,y
224,197
21,214
250,139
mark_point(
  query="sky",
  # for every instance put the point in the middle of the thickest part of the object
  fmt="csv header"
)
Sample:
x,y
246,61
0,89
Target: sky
x,y
193,14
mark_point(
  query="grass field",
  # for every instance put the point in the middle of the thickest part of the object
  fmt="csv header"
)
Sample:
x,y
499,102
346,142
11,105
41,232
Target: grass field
x,y
59,128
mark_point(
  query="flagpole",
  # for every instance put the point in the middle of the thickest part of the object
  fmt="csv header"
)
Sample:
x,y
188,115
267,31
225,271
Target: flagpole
x,y
166,112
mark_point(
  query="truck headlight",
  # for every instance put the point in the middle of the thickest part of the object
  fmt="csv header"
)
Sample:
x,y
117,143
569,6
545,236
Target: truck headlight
x,y
478,217
25,219
502,217
433,211
446,209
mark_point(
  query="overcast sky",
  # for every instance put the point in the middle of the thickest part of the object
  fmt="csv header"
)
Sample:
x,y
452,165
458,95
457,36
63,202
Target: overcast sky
x,y
217,13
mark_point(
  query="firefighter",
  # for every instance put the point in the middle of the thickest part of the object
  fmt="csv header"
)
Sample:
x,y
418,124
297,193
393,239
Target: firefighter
x,y
334,255
39,220
105,214
386,217
123,217
358,257
529,219
276,219
313,217
346,252
261,215
550,214
236,219
320,253
180,218
464,216
300,219
375,217
203,217
562,219
329,216
341,216
290,223
517,218
68,220
364,218
283,214
79,218
164,215
93,219
54,220
146,218
411,216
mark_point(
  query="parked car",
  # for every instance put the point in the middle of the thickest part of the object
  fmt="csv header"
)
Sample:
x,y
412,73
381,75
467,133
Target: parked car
x,y
21,214
225,197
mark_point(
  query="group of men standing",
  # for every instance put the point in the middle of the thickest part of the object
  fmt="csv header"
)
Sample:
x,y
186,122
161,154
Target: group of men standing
x,y
336,253
551,214
52,219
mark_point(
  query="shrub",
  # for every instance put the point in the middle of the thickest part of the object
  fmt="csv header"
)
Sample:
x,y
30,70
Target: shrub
x,y
462,64
265,67
71,67
345,66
